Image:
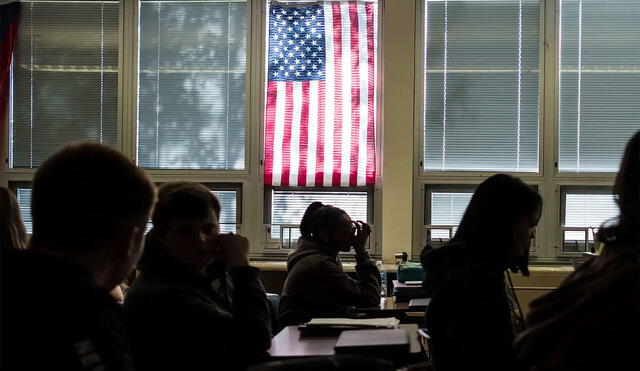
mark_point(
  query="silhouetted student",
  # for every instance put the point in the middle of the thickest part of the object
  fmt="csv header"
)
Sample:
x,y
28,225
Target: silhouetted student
x,y
591,322
474,315
13,234
316,285
89,207
196,304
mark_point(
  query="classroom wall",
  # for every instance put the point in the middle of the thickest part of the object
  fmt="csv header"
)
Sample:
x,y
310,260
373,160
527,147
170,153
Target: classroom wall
x,y
398,31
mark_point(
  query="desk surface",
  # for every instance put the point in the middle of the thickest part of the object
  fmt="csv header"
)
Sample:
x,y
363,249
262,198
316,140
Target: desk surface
x,y
288,343
389,305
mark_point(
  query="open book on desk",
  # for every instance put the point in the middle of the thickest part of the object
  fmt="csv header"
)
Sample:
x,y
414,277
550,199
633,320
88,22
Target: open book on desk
x,y
334,326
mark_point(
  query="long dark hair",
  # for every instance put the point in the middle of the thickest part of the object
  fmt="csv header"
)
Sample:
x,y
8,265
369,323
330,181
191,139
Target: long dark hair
x,y
319,218
626,192
492,213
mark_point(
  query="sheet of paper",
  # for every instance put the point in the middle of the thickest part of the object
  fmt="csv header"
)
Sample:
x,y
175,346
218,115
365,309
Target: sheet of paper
x,y
390,322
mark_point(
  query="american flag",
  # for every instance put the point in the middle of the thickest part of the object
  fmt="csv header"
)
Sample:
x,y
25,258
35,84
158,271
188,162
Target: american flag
x,y
320,102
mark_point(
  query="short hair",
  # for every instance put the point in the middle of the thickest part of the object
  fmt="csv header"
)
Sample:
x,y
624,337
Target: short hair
x,y
318,218
12,231
87,195
493,211
183,200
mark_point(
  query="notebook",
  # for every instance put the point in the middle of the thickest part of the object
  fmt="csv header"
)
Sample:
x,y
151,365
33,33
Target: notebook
x,y
387,342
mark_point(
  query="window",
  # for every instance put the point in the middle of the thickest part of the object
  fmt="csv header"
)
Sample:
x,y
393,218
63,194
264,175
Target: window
x,y
481,87
191,85
599,82
584,211
64,80
445,207
228,195
288,206
320,111
23,194
492,99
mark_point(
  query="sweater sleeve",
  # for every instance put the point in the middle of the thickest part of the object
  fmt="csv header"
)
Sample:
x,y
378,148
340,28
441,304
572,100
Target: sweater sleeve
x,y
361,292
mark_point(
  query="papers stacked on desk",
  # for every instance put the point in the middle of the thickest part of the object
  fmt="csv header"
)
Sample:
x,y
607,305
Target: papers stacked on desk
x,y
369,323
334,326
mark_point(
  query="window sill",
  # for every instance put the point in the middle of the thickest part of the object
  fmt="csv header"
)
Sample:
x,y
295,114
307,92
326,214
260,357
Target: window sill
x,y
281,266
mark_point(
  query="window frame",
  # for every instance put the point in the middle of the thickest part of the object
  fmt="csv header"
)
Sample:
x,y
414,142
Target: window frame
x,y
549,180
273,245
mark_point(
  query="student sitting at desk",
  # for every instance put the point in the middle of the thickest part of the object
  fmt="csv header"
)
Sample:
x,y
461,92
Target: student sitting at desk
x,y
197,304
316,285
474,315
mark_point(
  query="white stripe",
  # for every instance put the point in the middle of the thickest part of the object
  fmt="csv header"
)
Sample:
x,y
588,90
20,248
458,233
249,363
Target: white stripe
x,y
364,90
375,78
330,95
345,162
294,151
281,96
312,132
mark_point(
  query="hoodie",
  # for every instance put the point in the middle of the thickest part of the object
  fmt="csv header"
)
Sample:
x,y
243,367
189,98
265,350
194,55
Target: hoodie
x,y
181,318
54,317
590,322
468,318
316,285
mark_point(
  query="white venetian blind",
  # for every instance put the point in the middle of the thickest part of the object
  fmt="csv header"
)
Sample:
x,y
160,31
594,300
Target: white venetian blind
x,y
587,211
599,82
288,207
481,85
24,201
191,84
64,85
228,210
447,208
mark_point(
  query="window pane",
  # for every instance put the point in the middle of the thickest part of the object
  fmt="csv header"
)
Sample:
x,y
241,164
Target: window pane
x,y
191,85
447,208
288,207
65,77
599,82
587,211
24,200
228,210
481,85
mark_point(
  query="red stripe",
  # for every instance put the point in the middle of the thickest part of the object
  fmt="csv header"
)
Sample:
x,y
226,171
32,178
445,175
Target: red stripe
x,y
355,94
320,140
304,135
286,138
269,126
371,140
337,124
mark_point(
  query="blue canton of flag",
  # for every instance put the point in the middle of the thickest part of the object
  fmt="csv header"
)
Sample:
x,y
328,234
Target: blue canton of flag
x,y
296,43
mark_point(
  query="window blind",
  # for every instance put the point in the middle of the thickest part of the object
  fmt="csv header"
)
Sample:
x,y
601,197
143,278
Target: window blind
x,y
24,201
599,82
587,210
481,85
228,210
288,207
191,85
64,84
447,208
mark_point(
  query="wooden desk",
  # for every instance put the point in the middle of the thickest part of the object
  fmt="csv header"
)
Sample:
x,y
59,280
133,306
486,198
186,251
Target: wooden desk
x,y
288,343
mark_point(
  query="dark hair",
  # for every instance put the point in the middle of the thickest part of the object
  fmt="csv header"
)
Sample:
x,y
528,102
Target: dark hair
x,y
319,218
12,231
493,211
86,195
183,200
627,195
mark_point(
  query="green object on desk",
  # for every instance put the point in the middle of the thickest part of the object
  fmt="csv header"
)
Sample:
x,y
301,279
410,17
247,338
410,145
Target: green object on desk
x,y
410,271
